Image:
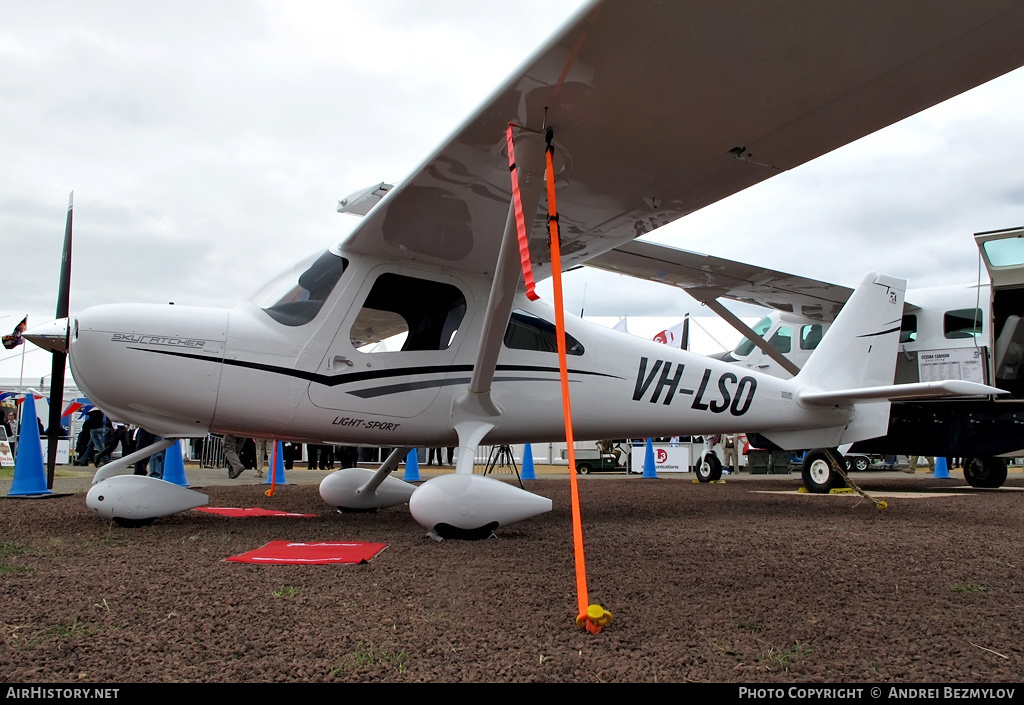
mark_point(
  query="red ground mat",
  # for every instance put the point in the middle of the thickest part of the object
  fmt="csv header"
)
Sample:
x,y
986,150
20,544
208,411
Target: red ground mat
x,y
317,553
250,512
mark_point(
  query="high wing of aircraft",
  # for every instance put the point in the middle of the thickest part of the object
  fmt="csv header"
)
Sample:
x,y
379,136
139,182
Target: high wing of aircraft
x,y
964,331
660,109
653,110
707,278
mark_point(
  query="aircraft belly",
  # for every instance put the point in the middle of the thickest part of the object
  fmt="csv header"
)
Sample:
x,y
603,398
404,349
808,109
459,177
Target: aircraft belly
x,y
253,403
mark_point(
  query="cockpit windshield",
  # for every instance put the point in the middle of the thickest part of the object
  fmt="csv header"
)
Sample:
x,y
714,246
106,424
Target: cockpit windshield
x,y
295,297
745,346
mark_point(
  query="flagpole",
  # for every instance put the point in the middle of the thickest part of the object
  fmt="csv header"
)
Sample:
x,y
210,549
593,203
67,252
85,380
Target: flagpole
x,y
21,375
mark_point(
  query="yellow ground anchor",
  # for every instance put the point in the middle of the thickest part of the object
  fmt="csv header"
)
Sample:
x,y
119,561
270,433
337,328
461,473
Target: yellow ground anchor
x,y
594,618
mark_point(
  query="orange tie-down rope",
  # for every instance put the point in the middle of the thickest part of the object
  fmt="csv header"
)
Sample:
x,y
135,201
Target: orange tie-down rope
x,y
592,617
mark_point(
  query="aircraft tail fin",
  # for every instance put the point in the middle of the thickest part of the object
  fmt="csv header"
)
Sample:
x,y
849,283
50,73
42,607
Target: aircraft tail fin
x,y
858,351
860,348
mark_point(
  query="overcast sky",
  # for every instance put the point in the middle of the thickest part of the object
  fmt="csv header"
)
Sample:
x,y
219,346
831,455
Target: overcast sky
x,y
208,143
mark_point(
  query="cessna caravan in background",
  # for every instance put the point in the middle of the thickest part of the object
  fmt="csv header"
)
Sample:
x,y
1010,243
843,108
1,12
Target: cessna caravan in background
x,y
970,332
653,110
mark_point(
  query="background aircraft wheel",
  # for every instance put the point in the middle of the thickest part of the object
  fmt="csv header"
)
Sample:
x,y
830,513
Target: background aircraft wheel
x,y
709,469
583,469
819,474
988,473
861,464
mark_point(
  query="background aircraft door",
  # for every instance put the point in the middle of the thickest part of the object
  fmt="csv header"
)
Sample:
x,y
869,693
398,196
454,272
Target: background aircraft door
x,y
1003,254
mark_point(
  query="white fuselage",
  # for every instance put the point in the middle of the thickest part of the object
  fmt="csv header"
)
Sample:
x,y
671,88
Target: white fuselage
x,y
183,371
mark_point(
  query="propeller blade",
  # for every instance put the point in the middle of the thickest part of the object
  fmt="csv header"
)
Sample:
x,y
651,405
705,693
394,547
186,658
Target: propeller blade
x,y
60,358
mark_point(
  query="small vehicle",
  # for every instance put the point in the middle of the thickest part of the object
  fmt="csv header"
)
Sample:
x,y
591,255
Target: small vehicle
x,y
600,460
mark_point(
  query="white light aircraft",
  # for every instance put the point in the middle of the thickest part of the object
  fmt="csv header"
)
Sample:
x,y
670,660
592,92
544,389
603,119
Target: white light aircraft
x,y
656,109
972,332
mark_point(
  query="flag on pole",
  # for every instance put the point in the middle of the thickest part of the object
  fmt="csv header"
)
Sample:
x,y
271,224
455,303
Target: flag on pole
x,y
14,339
674,336
72,408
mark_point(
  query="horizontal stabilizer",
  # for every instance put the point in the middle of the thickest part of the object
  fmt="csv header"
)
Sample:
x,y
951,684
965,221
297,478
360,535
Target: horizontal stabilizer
x,y
897,392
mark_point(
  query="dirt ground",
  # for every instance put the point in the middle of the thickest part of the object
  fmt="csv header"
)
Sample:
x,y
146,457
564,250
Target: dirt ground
x,y
720,583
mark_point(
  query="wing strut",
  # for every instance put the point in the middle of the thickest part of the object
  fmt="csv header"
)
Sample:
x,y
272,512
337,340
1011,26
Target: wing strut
x,y
765,347
474,414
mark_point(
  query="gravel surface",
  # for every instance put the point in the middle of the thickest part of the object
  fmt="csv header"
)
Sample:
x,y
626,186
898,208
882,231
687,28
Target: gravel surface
x,y
723,583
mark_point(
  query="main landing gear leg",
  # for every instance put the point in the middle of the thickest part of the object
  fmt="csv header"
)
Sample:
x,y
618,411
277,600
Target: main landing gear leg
x,y
468,506
465,505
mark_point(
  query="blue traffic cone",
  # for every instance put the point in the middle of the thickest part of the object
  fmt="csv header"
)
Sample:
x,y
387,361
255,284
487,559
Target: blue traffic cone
x,y
649,470
528,471
412,466
174,466
941,469
29,474
275,476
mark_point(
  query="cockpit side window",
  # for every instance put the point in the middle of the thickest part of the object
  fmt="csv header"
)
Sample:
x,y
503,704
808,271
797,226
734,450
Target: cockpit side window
x,y
528,332
810,336
782,340
303,301
962,323
405,313
908,328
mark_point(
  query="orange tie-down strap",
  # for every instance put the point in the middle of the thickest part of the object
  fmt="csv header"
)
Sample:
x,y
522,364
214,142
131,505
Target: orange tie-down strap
x,y
517,202
591,617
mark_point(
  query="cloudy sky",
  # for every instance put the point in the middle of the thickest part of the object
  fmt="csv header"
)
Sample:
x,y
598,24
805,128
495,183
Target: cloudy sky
x,y
208,142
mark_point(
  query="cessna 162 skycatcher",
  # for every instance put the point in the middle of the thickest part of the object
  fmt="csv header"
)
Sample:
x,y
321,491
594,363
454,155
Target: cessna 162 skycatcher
x,y
653,110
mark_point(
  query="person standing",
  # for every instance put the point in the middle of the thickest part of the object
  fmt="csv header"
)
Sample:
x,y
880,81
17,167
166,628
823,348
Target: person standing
x,y
231,444
262,446
98,436
913,463
730,441
144,439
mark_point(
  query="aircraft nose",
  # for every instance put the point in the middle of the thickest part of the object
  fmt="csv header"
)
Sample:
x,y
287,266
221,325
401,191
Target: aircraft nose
x,y
51,336
157,366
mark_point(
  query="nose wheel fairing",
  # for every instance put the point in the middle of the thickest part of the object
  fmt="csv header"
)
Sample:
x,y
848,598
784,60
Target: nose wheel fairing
x,y
129,499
